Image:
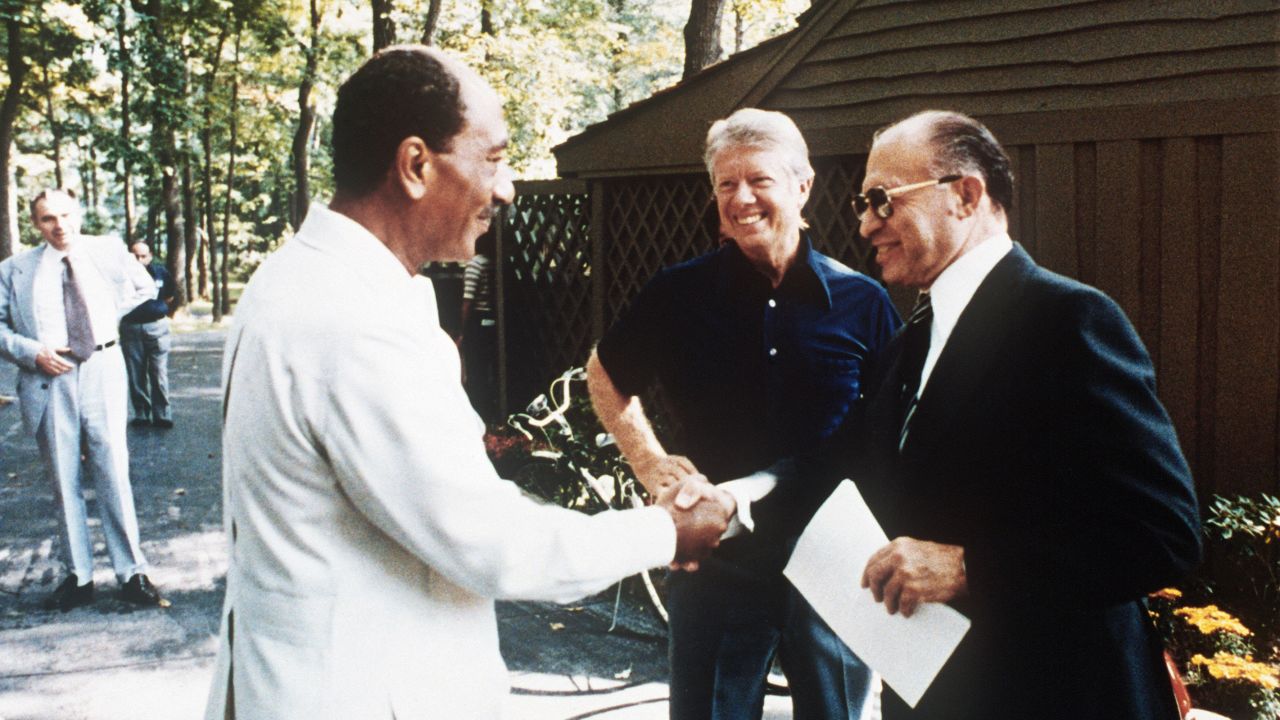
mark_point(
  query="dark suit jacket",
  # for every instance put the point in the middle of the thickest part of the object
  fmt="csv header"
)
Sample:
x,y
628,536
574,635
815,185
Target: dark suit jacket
x,y
1040,447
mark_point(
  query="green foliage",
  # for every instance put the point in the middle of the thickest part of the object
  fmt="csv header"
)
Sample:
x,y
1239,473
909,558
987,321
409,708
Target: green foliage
x,y
1248,529
1231,658
560,65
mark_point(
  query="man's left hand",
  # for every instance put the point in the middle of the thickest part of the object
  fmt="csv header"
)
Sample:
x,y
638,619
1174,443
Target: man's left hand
x,y
907,572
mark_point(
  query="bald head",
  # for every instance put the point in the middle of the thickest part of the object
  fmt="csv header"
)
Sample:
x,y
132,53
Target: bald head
x,y
958,145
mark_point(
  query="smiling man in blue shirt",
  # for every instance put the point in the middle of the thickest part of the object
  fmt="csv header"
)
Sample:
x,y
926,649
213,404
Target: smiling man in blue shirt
x,y
759,348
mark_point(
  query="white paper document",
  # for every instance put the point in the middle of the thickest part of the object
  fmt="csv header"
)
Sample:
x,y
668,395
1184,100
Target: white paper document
x,y
826,568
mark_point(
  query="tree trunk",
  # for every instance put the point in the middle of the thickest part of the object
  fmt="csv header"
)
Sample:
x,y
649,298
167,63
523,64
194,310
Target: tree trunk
x,y
188,226
55,128
211,289
169,72
433,19
92,198
702,35
384,28
126,74
18,68
231,173
739,29
301,155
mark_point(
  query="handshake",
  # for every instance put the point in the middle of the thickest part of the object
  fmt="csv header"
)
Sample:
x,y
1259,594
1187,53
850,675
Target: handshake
x,y
701,513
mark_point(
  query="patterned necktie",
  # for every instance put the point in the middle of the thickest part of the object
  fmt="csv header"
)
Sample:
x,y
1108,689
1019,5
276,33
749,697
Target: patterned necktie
x,y
79,331
916,348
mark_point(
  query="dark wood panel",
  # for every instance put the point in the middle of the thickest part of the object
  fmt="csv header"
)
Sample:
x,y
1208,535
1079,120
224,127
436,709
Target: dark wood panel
x,y
914,16
1179,290
1151,209
1249,314
964,46
1086,173
1208,235
1055,208
1015,218
1118,250
1180,75
1025,200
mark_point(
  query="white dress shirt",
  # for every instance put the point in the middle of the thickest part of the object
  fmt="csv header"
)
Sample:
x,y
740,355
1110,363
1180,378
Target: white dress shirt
x,y
952,291
50,310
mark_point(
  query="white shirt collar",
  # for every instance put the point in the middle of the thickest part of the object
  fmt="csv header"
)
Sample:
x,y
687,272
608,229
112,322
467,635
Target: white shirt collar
x,y
334,232
361,250
954,288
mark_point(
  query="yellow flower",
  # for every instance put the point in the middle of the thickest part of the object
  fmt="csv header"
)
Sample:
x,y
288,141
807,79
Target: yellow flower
x,y
1210,620
1167,594
1225,666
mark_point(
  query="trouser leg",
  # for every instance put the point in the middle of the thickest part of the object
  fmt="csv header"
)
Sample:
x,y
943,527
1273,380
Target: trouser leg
x,y
58,438
103,419
724,631
158,344
133,345
827,680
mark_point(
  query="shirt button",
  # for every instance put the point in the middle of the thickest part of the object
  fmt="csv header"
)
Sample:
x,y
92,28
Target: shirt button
x,y
773,352
773,303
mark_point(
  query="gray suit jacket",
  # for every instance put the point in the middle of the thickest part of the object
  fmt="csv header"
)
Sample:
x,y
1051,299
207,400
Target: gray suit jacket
x,y
19,336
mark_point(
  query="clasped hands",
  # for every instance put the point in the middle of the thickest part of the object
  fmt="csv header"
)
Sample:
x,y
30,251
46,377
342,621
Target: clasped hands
x,y
700,511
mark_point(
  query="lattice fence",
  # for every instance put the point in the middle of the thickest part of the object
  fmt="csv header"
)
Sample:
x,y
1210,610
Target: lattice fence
x,y
553,295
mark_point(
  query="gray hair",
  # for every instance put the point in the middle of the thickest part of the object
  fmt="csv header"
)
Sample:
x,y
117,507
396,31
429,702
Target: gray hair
x,y
752,127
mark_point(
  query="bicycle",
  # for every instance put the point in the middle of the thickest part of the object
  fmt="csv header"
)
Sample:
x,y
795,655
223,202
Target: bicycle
x,y
574,469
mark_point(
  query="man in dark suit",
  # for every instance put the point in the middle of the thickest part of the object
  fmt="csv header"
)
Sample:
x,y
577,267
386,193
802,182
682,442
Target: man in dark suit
x,y
1013,447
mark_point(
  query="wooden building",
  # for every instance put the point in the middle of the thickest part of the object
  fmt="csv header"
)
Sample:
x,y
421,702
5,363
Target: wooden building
x,y
1145,138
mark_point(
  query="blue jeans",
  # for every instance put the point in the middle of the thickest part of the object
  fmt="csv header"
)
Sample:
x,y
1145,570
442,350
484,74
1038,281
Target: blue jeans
x,y
726,627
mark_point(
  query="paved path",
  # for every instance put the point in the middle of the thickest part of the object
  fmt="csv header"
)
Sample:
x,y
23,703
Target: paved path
x,y
111,661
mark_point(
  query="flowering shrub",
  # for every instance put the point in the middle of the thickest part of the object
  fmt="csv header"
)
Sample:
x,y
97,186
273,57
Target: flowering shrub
x,y
1231,664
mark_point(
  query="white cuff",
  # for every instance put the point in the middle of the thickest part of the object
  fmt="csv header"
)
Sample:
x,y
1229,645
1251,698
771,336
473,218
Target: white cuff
x,y
745,491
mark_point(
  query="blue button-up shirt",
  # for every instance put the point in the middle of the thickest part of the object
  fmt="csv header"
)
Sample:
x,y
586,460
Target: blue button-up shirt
x,y
750,373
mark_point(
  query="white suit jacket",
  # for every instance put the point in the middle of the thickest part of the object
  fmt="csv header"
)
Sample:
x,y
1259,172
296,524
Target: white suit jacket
x,y
128,280
369,532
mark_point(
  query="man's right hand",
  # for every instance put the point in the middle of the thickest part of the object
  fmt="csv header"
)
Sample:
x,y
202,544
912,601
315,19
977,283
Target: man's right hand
x,y
51,362
701,513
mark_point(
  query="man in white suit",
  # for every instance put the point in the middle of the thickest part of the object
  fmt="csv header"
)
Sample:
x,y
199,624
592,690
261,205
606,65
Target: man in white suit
x,y
369,532
60,308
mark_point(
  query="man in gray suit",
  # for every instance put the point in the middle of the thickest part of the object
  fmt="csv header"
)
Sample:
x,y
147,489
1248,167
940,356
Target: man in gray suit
x,y
60,307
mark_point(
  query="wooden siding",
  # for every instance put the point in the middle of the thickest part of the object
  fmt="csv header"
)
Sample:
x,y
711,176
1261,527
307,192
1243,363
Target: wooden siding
x,y
1145,138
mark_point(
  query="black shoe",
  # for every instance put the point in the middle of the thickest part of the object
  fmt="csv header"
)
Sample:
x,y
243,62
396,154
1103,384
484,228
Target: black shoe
x,y
139,591
164,423
70,594
139,422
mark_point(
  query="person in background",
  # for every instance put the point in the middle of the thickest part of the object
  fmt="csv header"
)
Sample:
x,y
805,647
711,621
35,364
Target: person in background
x,y
60,309
478,339
144,336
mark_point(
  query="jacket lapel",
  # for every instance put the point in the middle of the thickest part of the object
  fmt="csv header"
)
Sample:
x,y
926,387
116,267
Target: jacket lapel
x,y
24,290
971,351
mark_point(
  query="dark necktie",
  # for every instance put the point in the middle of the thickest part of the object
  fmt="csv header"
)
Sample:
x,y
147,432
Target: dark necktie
x,y
916,348
79,331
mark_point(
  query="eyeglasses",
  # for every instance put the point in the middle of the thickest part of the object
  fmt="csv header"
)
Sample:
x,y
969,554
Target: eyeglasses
x,y
880,199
